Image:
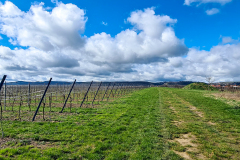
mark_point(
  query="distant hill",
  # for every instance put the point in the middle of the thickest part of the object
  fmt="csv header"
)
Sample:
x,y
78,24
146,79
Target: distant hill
x,y
83,83
183,83
143,83
200,86
227,83
38,83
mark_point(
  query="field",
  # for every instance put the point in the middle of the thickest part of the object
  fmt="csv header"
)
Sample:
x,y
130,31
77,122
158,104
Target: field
x,y
152,123
44,103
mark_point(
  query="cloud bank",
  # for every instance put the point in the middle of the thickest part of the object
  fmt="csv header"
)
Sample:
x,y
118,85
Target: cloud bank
x,y
222,2
52,44
210,11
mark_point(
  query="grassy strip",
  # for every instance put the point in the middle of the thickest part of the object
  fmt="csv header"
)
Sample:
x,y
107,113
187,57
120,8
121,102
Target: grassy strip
x,y
167,129
129,128
214,141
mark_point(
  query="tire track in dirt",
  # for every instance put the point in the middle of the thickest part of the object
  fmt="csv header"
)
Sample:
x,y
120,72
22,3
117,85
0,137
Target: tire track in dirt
x,y
186,140
192,108
230,140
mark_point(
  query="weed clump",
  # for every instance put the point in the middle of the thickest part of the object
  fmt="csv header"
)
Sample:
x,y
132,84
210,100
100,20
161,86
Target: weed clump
x,y
200,86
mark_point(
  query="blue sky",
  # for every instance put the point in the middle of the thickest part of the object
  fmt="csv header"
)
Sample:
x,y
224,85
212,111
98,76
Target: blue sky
x,y
194,25
201,28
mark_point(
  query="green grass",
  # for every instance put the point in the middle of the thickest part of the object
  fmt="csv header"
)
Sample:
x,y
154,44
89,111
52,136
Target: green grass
x,y
128,128
140,126
214,141
200,86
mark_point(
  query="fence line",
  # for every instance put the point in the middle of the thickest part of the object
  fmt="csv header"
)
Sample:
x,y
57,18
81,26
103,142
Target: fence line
x,y
27,102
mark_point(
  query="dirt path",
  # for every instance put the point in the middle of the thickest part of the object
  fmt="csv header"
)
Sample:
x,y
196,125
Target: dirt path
x,y
186,140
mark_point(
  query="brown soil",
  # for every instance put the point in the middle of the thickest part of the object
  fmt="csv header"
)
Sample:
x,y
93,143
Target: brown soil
x,y
36,144
183,154
177,123
228,95
3,141
194,109
186,140
211,123
41,145
174,110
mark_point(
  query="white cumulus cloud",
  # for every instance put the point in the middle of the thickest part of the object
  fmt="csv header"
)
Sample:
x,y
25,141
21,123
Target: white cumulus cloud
x,y
42,29
229,40
221,62
9,10
222,2
212,11
53,47
150,40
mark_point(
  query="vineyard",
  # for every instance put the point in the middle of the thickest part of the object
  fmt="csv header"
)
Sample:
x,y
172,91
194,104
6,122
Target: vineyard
x,y
97,120
47,102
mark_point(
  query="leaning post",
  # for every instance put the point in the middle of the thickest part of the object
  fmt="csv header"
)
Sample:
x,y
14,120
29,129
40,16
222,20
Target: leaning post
x,y
106,91
42,99
86,94
5,95
110,91
96,92
68,96
29,96
116,91
2,82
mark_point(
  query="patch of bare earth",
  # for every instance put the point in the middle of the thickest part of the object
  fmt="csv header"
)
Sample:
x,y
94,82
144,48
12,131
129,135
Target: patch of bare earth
x,y
36,144
173,109
186,140
3,141
177,123
228,95
211,123
42,145
183,154
194,109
